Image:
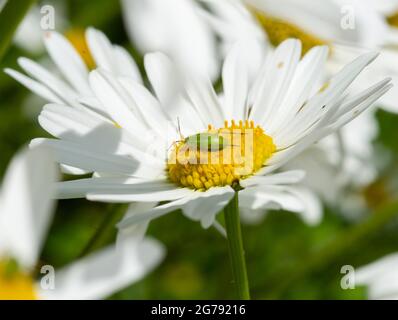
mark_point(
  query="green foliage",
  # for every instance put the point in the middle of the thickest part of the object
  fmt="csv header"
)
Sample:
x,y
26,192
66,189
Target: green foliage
x,y
10,17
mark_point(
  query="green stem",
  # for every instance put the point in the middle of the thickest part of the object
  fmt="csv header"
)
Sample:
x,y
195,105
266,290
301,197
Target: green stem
x,y
10,17
236,251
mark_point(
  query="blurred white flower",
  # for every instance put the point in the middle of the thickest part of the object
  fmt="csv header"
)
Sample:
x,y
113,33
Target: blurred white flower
x,y
26,210
29,33
26,205
106,271
380,277
174,28
188,34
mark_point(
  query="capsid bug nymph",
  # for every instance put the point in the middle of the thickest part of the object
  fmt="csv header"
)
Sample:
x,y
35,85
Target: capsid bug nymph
x,y
205,142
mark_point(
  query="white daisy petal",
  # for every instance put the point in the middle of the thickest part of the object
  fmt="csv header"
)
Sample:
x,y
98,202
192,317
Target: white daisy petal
x,y
205,101
93,103
77,126
90,159
207,205
319,105
156,212
117,102
355,112
313,211
295,199
150,108
109,57
307,76
166,81
34,86
163,76
100,48
277,78
81,187
59,87
137,193
68,61
372,271
126,66
234,23
288,177
235,84
253,199
118,189
282,157
136,230
73,170
380,277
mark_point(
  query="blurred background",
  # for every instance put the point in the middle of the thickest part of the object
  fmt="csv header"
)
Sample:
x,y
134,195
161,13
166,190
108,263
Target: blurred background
x,y
286,258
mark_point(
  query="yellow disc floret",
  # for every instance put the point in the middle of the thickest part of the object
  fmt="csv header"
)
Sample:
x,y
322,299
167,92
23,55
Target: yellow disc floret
x,y
279,30
219,157
14,284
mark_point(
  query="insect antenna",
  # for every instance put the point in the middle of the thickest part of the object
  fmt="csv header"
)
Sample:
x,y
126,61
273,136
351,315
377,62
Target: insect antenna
x,y
179,128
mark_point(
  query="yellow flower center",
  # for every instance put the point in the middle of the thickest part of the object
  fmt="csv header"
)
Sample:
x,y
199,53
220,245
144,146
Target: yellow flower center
x,y
279,30
78,39
393,20
15,285
377,193
219,157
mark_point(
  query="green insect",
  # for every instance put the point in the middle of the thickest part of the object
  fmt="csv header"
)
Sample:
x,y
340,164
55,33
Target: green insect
x,y
206,142
202,141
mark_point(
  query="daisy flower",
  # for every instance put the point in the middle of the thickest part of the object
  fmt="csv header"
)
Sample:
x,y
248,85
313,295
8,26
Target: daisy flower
x,y
80,54
26,207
